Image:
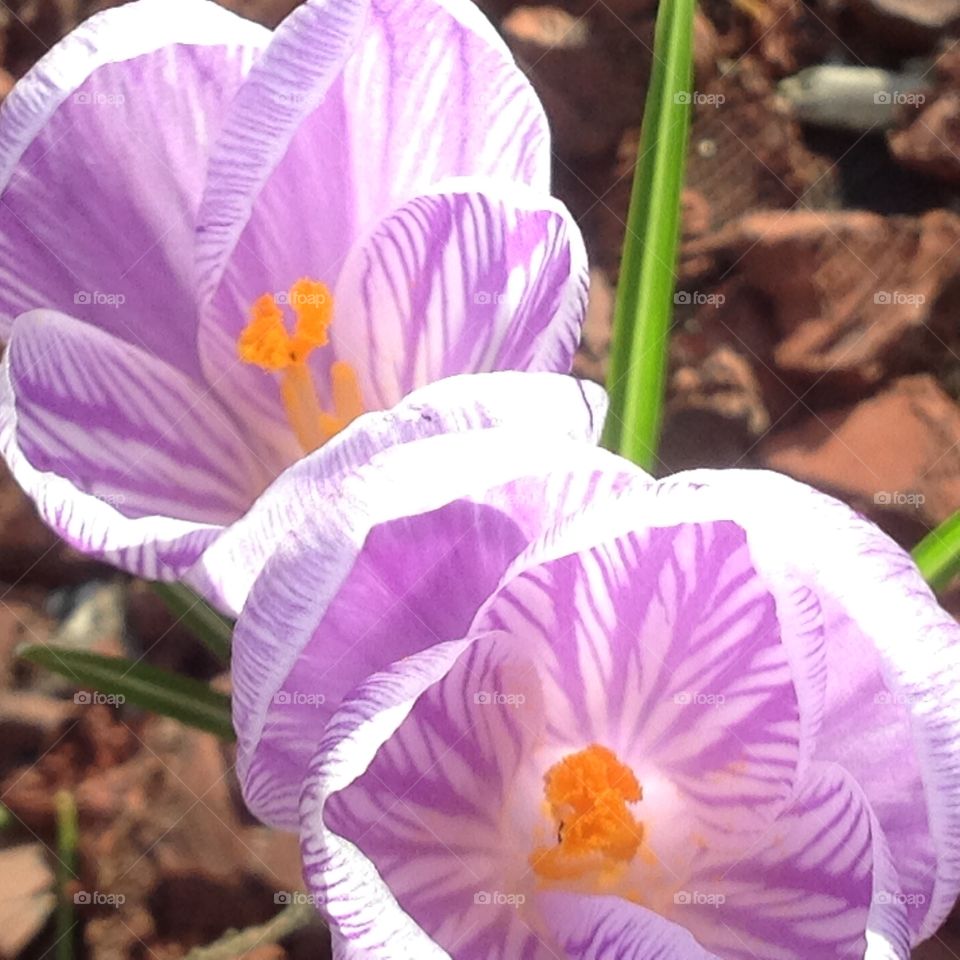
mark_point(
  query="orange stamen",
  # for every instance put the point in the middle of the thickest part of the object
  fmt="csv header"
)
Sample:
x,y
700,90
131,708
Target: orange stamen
x,y
587,793
266,343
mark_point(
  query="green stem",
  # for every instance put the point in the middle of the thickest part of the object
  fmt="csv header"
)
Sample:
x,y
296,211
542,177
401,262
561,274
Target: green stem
x,y
236,943
197,616
67,838
938,553
644,306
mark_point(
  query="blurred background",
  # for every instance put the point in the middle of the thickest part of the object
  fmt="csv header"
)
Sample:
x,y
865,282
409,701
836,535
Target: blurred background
x,y
817,332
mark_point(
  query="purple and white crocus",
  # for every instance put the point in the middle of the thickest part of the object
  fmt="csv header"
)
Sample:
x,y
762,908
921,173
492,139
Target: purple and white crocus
x,y
221,246
715,716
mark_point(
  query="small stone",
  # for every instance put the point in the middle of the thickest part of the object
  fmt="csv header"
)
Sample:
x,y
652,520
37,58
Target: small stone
x,y
850,298
26,896
548,27
897,453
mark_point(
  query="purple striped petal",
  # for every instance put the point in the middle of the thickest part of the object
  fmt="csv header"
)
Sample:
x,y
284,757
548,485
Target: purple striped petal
x,y
461,409
465,477
355,108
610,928
481,276
433,810
102,155
390,809
819,883
892,711
666,646
124,456
365,918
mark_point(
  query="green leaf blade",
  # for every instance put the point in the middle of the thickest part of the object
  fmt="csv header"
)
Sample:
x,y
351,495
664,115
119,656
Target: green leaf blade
x,y
644,305
150,688
201,619
938,553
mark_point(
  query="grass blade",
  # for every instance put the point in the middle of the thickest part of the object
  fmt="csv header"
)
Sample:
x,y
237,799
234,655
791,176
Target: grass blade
x,y
644,304
198,616
170,694
938,553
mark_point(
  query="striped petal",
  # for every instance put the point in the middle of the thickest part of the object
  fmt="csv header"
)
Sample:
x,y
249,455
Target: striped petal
x,y
102,154
819,883
481,276
892,711
666,645
365,918
431,810
610,928
356,107
463,470
125,457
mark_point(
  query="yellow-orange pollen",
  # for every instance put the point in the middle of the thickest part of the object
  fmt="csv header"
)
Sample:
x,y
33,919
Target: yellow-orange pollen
x,y
587,794
266,343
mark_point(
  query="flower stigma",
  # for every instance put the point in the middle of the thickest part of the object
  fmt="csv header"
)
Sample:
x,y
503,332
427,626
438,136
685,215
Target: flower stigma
x,y
587,795
266,343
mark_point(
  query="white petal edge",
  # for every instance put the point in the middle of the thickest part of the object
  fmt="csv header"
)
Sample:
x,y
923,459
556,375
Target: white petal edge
x,y
127,543
378,928
466,403
795,532
112,36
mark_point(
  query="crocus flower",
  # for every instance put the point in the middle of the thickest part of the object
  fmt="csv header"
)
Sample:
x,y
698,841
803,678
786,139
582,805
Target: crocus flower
x,y
716,716
220,246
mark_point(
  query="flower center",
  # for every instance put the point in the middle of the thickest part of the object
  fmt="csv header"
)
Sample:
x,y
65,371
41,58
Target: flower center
x,y
587,794
265,343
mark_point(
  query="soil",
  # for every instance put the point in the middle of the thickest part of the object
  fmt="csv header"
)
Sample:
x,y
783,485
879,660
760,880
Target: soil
x,y
815,333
